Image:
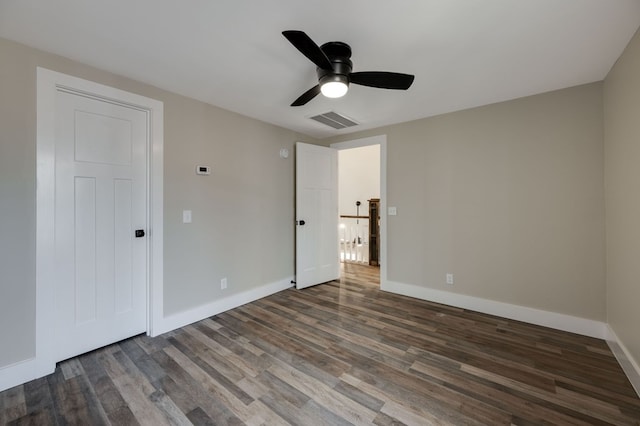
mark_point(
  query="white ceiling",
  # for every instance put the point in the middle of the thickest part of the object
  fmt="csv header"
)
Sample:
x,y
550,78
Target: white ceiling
x,y
230,53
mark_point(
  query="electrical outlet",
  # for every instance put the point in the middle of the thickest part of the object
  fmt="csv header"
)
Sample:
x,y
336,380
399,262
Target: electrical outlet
x,y
450,279
223,283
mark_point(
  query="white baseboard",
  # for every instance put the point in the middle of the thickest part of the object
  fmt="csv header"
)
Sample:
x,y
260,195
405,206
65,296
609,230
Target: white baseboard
x,y
17,373
627,362
181,319
583,326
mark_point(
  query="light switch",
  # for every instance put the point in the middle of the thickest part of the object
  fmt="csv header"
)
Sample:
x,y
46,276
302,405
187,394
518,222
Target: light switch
x,y
392,211
186,216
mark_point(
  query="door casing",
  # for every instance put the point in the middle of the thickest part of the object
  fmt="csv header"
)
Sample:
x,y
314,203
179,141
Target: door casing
x,y
382,141
48,83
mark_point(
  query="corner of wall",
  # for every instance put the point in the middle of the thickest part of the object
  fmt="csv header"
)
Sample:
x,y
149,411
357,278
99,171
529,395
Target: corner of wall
x,y
629,365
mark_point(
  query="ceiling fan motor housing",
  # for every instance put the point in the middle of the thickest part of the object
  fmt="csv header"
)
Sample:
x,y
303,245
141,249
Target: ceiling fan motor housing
x,y
338,54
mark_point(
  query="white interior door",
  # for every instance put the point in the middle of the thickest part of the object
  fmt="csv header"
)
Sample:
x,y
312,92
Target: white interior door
x,y
100,201
317,254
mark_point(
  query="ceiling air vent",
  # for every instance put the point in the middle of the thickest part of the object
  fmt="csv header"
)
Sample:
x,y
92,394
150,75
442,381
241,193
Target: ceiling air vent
x,y
334,120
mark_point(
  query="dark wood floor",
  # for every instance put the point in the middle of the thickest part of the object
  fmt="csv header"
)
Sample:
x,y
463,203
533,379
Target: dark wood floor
x,y
339,353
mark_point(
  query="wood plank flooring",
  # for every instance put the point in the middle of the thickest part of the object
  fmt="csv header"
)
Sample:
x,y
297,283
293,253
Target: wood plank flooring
x,y
336,354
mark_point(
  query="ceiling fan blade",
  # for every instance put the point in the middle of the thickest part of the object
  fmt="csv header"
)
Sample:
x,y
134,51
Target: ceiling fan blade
x,y
382,79
308,48
307,96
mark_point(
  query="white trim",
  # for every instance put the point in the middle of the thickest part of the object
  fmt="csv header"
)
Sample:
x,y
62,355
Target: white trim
x,y
359,143
181,319
625,359
155,252
583,326
48,83
17,373
45,206
382,141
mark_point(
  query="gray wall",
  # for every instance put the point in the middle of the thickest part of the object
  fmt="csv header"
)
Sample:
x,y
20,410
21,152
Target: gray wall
x,y
508,197
242,214
622,182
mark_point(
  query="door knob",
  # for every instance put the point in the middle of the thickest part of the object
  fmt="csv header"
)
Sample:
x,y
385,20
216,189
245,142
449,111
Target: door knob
x,y
139,233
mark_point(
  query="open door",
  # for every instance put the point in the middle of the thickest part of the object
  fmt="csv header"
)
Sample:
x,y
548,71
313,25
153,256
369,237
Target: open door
x,y
317,255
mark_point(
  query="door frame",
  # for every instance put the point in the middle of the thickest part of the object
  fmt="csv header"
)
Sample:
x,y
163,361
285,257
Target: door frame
x,y
48,84
382,141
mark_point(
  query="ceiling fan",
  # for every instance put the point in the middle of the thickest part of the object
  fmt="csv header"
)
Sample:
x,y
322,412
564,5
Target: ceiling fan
x,y
334,69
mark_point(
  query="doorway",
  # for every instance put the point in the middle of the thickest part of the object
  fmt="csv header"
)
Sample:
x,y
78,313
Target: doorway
x,y
99,216
367,156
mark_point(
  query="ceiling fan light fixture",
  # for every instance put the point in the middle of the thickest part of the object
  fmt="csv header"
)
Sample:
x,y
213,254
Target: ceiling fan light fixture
x,y
334,86
333,66
334,89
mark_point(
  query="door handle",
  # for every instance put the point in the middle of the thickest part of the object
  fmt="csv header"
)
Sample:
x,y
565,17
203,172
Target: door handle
x,y
139,233
300,222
